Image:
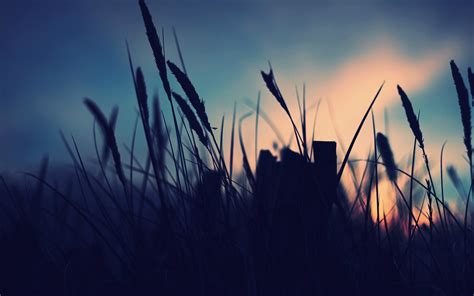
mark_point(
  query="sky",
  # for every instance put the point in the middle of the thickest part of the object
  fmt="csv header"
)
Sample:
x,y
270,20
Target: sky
x,y
56,52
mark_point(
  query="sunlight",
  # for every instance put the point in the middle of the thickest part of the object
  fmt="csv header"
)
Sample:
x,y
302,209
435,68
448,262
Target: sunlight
x,y
387,202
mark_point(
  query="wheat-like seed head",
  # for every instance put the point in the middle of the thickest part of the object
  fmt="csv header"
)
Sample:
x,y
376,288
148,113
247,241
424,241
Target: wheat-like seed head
x,y
411,117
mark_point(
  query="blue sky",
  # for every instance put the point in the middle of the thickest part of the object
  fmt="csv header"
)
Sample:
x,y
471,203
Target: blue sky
x,y
54,53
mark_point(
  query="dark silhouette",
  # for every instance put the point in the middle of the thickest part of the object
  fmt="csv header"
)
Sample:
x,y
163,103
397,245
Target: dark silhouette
x,y
183,223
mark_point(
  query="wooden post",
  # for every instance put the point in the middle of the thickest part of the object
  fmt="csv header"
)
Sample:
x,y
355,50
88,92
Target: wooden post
x,y
325,163
294,200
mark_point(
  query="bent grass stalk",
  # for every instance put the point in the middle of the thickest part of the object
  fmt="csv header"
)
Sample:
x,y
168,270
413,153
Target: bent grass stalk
x,y
463,100
415,127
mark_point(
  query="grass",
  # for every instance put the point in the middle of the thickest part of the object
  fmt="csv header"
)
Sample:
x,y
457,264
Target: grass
x,y
186,222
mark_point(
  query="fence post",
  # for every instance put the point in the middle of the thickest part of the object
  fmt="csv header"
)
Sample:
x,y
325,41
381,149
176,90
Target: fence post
x,y
294,199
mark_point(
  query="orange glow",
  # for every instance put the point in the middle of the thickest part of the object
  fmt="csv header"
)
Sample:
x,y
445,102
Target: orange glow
x,y
423,217
387,202
346,93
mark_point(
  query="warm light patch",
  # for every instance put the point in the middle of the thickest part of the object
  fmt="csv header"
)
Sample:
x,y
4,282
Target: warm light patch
x,y
422,216
346,91
387,203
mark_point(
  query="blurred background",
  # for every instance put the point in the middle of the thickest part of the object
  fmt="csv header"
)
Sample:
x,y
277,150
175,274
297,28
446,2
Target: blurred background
x,y
56,52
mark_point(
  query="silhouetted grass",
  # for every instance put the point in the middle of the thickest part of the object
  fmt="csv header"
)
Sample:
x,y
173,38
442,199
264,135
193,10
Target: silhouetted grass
x,y
180,223
193,121
387,157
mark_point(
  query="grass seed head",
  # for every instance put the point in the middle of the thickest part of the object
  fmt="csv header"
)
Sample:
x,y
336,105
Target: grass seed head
x,y
463,100
191,117
386,152
192,94
411,117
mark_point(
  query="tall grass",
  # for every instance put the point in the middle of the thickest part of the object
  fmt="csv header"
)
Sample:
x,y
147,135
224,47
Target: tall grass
x,y
185,221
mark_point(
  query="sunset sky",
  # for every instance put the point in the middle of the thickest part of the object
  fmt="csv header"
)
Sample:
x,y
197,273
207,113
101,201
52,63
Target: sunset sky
x,y
56,52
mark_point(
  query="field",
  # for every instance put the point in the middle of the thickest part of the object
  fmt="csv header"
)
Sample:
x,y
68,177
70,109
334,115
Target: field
x,y
188,222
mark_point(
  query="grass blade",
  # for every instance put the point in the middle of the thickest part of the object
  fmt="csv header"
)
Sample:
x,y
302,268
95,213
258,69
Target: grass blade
x,y
346,157
109,138
246,165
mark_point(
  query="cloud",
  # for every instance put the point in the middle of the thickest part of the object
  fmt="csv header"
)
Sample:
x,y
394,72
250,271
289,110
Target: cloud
x,y
347,89
350,86
357,77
